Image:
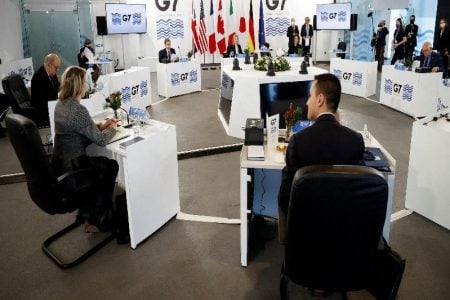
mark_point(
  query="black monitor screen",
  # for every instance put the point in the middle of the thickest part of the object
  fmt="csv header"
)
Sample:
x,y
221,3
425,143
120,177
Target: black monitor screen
x,y
276,97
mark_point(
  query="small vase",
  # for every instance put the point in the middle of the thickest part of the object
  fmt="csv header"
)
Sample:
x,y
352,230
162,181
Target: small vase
x,y
288,133
117,114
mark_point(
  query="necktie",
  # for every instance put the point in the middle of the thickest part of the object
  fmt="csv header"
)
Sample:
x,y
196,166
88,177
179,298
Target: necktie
x,y
427,61
168,54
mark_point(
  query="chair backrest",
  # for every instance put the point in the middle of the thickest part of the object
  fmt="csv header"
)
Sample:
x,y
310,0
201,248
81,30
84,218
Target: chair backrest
x,y
27,144
16,92
335,220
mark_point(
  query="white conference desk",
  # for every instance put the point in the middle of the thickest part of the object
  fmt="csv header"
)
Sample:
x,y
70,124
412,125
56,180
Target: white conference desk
x,y
358,78
179,78
275,161
427,190
415,94
150,62
243,89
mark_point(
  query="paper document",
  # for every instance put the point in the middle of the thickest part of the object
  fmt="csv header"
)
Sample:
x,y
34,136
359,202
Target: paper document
x,y
121,133
255,153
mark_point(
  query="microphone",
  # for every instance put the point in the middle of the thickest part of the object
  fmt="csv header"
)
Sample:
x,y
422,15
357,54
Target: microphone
x,y
128,118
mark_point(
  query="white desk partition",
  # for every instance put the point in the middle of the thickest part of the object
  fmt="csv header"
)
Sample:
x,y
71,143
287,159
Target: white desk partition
x,y
150,62
23,67
415,94
358,78
134,83
427,190
180,78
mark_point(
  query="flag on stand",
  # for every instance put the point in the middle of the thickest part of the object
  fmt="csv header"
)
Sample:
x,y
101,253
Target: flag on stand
x,y
242,27
195,38
211,31
261,32
202,29
231,27
221,41
251,30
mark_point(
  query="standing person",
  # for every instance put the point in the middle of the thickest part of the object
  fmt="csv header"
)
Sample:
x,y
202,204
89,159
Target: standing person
x,y
380,43
327,142
411,31
444,44
86,55
291,32
306,34
45,85
74,131
166,53
398,42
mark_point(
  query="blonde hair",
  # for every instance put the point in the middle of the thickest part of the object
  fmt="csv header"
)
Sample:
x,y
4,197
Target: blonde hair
x,y
72,83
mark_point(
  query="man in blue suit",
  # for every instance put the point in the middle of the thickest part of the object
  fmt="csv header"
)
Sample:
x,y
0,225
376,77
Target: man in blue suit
x,y
431,59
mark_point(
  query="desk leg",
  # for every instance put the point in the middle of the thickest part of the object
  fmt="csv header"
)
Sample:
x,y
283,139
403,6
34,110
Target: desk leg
x,y
387,223
244,178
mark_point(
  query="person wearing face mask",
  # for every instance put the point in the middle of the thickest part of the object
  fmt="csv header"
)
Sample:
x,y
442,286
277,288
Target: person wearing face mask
x,y
380,43
411,37
291,32
443,45
398,42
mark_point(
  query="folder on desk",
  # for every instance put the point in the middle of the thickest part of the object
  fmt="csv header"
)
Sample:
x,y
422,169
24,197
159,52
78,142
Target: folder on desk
x,y
378,160
255,152
120,134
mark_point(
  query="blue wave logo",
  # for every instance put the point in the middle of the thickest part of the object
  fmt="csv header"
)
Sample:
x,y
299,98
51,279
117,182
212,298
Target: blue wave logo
x,y
144,88
338,73
342,16
175,79
170,28
324,16
137,18
126,94
193,76
100,86
388,86
408,92
357,78
276,26
225,80
116,18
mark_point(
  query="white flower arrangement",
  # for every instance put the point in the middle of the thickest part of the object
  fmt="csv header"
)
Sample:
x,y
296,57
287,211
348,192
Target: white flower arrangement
x,y
279,63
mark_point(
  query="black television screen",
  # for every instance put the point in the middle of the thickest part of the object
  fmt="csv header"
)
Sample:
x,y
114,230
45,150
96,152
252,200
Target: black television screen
x,y
126,18
276,98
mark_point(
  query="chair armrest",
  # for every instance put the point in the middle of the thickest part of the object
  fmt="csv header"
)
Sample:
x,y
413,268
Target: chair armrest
x,y
76,181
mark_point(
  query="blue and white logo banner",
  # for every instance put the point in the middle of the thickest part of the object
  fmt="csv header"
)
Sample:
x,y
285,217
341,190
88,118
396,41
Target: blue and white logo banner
x,y
334,16
126,18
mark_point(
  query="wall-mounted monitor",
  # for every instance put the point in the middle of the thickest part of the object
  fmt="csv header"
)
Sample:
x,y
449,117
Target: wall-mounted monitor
x,y
336,16
126,18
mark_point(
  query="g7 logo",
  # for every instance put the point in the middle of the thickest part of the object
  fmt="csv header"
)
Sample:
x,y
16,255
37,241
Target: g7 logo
x,y
135,90
166,4
184,76
397,88
274,4
126,18
332,16
346,76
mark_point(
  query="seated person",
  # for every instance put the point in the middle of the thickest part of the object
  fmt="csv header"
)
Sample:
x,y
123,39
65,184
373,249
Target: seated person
x,y
431,59
295,47
165,55
326,142
74,131
235,48
45,85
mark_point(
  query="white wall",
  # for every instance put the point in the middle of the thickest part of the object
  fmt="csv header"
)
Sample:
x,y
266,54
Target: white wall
x,y
10,31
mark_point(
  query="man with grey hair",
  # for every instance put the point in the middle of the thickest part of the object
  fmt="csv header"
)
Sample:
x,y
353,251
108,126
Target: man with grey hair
x,y
430,59
45,85
166,53
291,32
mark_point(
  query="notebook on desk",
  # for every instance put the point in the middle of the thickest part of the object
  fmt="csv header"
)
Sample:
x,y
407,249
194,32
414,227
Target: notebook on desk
x,y
120,134
255,152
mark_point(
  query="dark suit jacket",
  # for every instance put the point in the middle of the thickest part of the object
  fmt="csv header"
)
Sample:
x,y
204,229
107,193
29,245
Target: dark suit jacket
x,y
163,55
303,34
43,89
444,41
291,32
294,49
435,61
413,29
232,48
325,143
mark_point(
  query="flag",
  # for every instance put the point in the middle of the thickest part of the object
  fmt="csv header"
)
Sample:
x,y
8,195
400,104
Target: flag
x,y
202,29
231,27
221,41
251,30
195,38
242,26
261,31
211,31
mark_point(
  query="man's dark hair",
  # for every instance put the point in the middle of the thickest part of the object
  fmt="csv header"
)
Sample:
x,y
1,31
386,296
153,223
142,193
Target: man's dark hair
x,y
166,40
330,86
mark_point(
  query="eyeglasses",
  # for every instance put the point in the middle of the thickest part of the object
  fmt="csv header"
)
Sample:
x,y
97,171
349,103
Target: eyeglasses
x,y
56,66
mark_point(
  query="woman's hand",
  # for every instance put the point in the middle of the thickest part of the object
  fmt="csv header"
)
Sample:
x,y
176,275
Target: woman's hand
x,y
110,123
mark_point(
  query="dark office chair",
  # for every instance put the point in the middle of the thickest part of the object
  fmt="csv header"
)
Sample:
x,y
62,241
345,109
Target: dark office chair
x,y
335,220
342,46
19,99
54,195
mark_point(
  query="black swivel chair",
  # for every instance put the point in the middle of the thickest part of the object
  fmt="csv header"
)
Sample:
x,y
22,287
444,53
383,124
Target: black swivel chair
x,y
19,99
334,224
342,46
54,195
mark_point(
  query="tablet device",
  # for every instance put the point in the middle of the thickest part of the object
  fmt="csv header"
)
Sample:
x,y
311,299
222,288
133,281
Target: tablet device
x,y
134,140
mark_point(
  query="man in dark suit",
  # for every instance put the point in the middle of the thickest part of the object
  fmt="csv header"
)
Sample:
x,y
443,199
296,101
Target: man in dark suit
x,y
431,59
306,34
235,48
291,32
326,142
165,55
45,85
411,31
